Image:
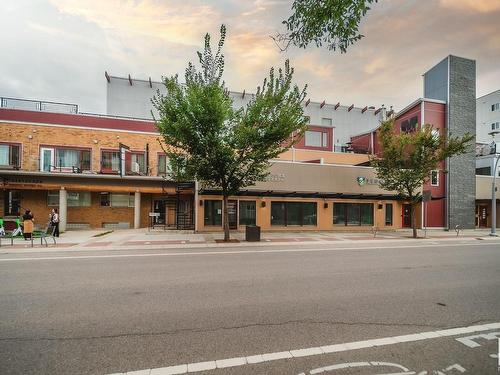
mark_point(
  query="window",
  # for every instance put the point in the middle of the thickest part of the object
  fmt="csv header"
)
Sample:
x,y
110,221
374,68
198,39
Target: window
x,y
137,163
495,126
68,158
121,200
434,178
388,214
293,213
110,161
247,213
410,125
74,198
9,156
495,107
213,212
484,171
164,166
105,200
353,214
325,121
316,139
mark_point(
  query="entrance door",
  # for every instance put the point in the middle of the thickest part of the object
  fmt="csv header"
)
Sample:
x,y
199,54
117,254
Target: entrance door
x,y
46,159
481,216
406,216
159,208
12,203
232,208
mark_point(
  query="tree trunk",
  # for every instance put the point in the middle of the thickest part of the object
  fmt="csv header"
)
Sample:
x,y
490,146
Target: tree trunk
x,y
413,219
225,217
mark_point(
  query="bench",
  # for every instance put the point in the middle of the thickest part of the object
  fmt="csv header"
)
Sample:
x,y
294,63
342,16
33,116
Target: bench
x,y
36,234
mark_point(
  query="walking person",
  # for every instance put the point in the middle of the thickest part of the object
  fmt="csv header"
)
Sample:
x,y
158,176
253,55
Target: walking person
x,y
54,220
28,220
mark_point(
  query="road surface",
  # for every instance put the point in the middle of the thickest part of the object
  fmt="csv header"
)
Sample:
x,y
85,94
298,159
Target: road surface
x,y
292,309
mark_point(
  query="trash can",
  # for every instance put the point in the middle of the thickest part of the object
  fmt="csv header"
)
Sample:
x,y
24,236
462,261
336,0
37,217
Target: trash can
x,y
252,233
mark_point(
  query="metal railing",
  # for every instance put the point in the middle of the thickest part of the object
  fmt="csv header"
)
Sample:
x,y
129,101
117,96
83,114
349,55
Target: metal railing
x,y
35,105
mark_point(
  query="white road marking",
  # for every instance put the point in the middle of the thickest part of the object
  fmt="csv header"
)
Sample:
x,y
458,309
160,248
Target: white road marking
x,y
231,252
469,340
305,352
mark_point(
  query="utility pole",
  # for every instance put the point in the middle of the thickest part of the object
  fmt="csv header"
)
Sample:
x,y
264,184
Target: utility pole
x,y
493,232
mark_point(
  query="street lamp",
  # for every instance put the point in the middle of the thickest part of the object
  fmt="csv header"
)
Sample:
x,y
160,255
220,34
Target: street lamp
x,y
493,232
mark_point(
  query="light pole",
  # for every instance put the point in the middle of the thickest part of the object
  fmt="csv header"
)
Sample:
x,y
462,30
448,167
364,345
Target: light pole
x,y
493,232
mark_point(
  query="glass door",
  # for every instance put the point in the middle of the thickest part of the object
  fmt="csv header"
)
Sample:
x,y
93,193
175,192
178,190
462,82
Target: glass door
x,y
232,208
46,159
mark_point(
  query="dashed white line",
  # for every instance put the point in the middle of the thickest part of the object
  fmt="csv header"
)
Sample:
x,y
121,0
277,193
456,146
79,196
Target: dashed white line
x,y
306,352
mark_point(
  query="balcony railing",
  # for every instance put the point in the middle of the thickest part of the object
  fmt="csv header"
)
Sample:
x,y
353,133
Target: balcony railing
x,y
35,105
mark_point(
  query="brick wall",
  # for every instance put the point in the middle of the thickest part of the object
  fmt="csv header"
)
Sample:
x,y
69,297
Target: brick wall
x,y
31,137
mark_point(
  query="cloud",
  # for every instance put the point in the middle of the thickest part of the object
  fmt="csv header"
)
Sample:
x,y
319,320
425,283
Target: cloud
x,y
481,6
175,22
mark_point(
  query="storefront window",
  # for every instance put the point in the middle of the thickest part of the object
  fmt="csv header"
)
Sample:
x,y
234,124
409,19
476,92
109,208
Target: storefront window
x,y
388,214
213,212
74,198
122,200
353,213
247,213
293,213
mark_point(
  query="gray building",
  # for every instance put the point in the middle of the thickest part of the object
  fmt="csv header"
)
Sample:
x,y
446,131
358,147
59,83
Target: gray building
x,y
453,80
129,97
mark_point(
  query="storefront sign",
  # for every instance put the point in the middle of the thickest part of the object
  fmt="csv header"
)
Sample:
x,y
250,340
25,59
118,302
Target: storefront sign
x,y
367,181
280,177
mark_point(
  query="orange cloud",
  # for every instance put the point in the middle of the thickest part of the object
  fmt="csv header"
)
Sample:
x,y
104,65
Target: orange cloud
x,y
174,23
481,6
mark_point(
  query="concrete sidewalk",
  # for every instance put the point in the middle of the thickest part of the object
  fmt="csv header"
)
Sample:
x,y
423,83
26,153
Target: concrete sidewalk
x,y
101,239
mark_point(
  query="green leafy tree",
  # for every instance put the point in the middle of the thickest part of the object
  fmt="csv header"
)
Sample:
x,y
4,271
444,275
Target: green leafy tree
x,y
217,145
408,159
334,23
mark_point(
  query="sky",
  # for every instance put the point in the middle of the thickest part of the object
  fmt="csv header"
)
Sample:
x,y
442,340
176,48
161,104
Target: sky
x,y
58,50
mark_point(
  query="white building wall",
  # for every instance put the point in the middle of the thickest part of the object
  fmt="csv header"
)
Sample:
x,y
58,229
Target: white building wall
x,y
485,117
124,99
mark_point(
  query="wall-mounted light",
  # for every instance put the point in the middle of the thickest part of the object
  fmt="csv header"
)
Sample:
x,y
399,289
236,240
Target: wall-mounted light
x,y
117,137
30,136
95,141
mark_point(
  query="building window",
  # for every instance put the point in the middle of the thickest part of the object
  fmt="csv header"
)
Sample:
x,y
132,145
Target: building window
x,y
105,200
137,163
110,161
247,213
353,214
213,212
410,125
434,178
164,166
293,213
483,171
325,121
9,156
69,159
74,198
388,214
316,139
495,107
122,200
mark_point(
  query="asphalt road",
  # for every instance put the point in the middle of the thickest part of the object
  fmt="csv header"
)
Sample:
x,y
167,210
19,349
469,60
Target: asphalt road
x,y
112,312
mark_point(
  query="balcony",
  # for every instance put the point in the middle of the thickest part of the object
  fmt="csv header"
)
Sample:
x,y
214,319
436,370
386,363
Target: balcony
x,y
39,106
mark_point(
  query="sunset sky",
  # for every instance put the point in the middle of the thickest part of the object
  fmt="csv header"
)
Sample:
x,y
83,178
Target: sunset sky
x,y
59,49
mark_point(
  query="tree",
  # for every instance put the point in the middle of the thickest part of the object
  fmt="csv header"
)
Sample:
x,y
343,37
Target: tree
x,y
408,159
217,145
331,22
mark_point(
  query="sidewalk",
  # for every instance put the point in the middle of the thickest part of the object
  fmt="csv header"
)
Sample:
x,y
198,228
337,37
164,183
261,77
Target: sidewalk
x,y
100,239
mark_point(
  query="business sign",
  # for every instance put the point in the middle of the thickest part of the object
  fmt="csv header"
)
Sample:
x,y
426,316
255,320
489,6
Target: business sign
x,y
279,177
123,151
362,181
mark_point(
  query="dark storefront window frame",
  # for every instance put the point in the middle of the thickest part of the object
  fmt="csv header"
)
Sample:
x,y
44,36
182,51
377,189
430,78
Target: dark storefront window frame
x,y
353,214
245,219
389,212
212,212
292,213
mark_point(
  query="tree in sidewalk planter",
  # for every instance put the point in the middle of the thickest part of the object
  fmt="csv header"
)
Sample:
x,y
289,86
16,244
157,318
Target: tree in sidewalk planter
x,y
408,159
334,23
217,145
